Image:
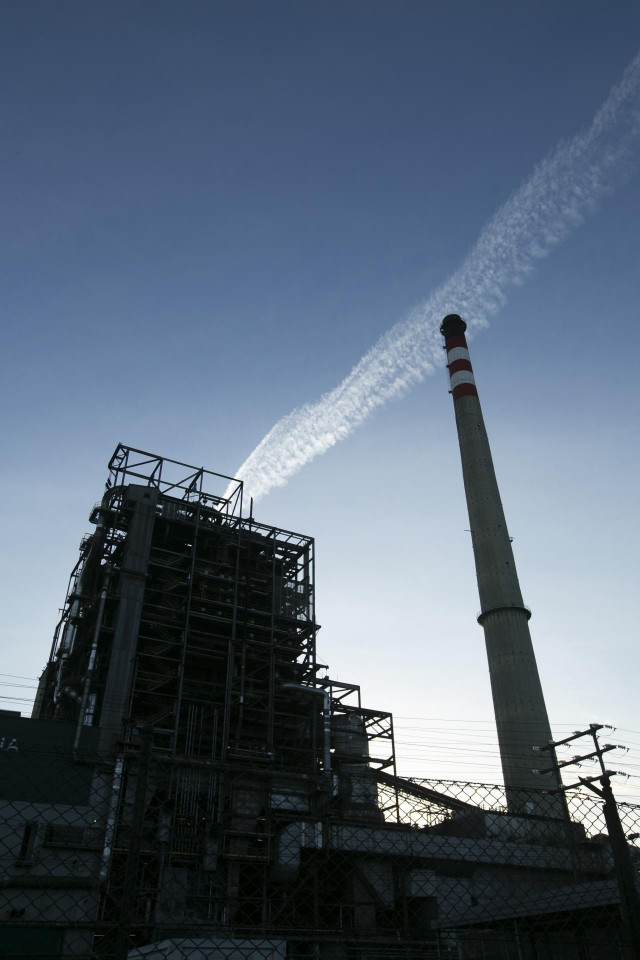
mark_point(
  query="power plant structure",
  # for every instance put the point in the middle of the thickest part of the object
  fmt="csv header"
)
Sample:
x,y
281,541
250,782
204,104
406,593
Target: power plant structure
x,y
193,784
520,711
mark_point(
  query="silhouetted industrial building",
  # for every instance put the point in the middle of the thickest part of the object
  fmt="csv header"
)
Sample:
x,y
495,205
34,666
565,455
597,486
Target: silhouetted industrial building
x,y
193,784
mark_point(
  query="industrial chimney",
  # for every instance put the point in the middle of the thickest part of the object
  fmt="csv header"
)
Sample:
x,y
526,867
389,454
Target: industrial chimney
x,y
521,715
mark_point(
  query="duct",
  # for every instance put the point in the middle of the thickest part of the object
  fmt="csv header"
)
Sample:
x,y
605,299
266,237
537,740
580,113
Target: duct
x,y
289,794
351,755
296,836
529,829
58,682
411,844
326,718
132,584
66,646
518,902
423,793
83,714
195,948
486,898
69,631
84,569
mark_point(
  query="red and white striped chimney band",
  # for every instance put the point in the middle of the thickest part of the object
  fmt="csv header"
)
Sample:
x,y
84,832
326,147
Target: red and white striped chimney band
x,y
457,353
460,369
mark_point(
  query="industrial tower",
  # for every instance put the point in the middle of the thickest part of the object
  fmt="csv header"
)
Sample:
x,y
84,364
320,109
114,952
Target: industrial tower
x,y
521,714
189,617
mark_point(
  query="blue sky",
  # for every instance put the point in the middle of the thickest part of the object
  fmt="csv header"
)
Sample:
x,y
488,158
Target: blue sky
x,y
212,210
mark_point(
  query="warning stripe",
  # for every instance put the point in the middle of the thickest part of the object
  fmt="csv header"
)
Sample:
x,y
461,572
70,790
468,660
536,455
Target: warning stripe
x,y
457,353
460,369
459,365
452,342
464,390
462,376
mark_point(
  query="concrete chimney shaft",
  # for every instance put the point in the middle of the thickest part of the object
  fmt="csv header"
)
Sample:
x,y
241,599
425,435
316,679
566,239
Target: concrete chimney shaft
x,y
520,711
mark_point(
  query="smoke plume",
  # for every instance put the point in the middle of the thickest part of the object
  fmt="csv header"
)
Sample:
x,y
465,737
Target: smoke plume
x,y
562,190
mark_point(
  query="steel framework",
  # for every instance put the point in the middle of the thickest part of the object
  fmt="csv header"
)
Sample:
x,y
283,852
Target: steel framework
x,y
214,610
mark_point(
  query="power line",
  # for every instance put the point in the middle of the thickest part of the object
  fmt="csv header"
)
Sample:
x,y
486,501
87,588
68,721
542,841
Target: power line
x,y
15,676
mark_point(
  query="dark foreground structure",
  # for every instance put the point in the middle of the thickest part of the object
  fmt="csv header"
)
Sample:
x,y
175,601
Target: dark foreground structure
x,y
193,784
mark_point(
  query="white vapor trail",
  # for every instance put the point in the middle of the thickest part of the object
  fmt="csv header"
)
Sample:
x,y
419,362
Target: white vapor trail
x,y
562,190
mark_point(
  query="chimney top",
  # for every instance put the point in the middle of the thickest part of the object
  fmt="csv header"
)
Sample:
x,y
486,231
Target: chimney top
x,y
452,326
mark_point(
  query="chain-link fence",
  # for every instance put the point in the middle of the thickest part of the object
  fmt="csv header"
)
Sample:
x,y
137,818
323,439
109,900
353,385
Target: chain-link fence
x,y
152,856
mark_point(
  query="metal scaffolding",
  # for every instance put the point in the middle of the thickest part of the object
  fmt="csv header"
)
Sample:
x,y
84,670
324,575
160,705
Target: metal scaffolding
x,y
214,610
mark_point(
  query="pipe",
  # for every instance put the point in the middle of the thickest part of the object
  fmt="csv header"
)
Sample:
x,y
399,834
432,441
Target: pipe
x,y
92,659
326,719
82,571
110,828
414,844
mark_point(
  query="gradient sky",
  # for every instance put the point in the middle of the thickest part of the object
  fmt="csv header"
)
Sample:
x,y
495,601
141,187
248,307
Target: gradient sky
x,y
212,210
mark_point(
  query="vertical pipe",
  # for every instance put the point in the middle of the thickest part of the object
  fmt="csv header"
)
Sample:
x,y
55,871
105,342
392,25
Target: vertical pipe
x,y
112,816
187,624
92,661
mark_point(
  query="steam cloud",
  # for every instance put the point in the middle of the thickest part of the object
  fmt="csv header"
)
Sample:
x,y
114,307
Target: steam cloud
x,y
562,190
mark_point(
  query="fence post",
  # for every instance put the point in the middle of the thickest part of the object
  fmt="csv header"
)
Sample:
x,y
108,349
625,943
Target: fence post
x,y
625,872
